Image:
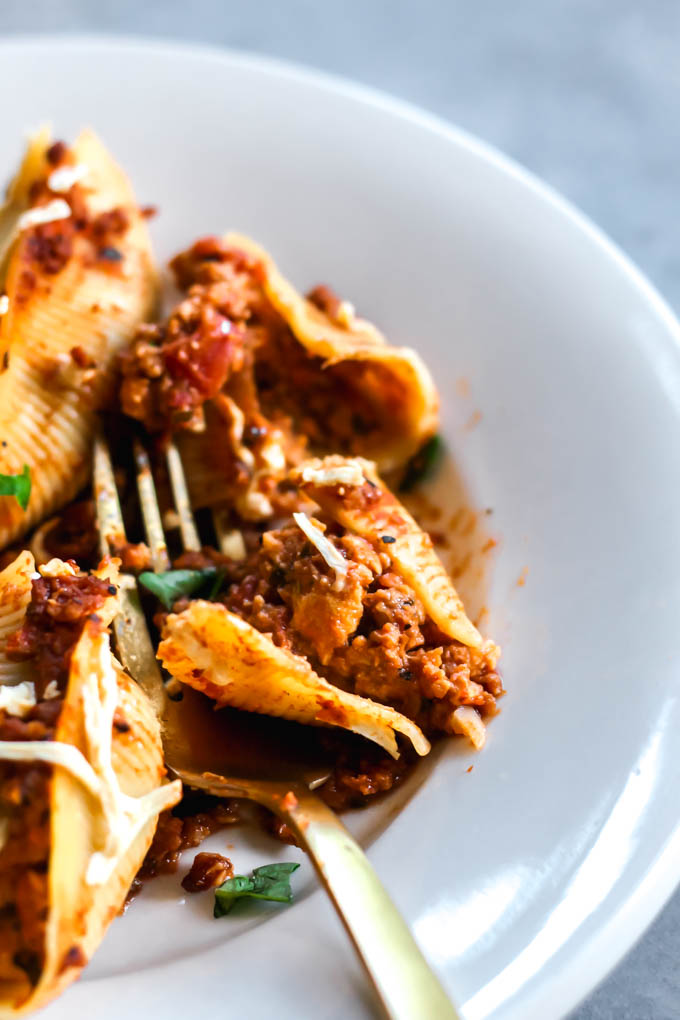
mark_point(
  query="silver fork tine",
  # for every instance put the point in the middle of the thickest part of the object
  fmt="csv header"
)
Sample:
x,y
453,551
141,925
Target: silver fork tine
x,y
133,641
180,495
151,515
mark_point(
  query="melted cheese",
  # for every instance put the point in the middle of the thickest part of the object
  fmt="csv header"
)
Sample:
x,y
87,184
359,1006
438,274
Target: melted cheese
x,y
58,209
4,304
65,177
333,558
18,699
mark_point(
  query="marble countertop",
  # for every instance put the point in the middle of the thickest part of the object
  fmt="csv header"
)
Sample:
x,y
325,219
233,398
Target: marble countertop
x,y
585,93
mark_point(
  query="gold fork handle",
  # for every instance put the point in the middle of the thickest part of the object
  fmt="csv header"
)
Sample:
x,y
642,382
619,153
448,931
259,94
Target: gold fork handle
x,y
406,986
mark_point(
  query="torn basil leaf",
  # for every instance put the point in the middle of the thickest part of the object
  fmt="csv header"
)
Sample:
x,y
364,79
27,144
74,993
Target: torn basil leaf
x,y
172,584
423,464
18,486
269,882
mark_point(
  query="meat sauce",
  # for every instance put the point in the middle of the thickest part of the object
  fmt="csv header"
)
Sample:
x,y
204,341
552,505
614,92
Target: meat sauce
x,y
48,247
225,337
54,621
372,638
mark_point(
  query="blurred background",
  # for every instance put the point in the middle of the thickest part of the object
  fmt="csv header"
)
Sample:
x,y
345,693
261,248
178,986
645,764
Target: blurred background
x,y
585,93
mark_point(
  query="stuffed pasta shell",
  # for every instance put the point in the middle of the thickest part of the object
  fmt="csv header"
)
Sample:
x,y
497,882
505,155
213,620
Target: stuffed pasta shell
x,y
81,777
251,377
77,277
348,600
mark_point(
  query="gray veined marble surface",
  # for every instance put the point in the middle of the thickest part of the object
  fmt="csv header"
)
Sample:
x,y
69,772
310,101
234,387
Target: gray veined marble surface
x,y
586,93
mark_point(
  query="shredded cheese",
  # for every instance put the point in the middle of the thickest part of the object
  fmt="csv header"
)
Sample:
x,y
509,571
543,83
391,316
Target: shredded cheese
x,y
122,816
346,314
344,474
18,699
57,209
65,177
57,568
333,558
4,304
272,454
51,691
467,721
233,545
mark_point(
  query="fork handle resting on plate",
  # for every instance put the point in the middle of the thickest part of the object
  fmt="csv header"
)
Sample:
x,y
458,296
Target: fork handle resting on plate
x,y
405,984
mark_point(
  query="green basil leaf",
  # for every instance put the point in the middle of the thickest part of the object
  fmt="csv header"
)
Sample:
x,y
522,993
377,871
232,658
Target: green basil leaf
x,y
276,871
422,465
172,584
18,486
229,892
269,882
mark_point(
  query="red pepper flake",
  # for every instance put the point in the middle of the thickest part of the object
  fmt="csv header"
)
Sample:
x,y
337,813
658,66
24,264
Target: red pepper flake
x,y
470,768
522,579
148,211
490,544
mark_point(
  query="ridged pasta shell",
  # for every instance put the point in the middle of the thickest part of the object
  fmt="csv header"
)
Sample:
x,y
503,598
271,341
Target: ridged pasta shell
x,y
372,511
218,653
47,413
396,381
15,595
79,913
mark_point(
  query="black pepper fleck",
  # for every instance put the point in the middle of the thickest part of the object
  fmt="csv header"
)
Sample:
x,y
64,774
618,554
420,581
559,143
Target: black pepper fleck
x,y
388,539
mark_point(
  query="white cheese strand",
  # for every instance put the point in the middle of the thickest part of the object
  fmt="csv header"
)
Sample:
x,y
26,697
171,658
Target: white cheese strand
x,y
122,816
51,691
4,304
467,721
330,554
63,179
345,474
18,699
57,209
52,752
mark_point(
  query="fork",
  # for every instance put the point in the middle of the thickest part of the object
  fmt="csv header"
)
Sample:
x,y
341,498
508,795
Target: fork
x,y
238,754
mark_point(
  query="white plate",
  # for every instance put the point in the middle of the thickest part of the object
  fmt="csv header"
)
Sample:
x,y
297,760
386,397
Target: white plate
x,y
526,879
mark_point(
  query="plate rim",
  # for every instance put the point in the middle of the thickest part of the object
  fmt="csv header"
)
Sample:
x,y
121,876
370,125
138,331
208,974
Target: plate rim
x,y
605,948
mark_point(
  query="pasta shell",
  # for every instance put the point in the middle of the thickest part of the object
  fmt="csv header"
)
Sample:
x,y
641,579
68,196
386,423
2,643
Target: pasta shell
x,y
48,404
218,653
395,381
78,910
365,506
